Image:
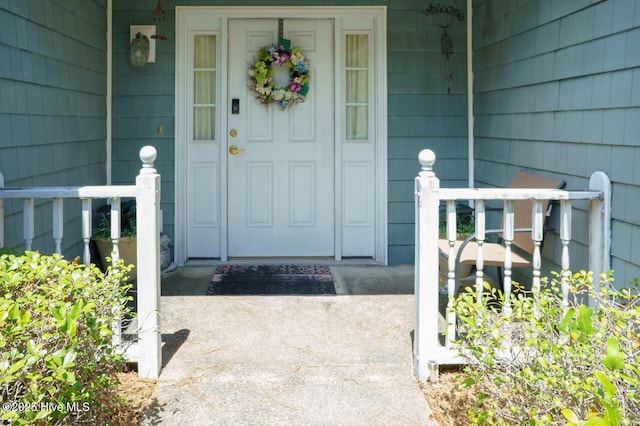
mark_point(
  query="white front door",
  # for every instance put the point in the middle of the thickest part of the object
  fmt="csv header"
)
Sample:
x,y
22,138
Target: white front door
x,y
281,178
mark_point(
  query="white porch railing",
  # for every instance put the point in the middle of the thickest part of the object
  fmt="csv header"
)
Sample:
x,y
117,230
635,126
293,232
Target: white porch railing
x,y
428,351
147,350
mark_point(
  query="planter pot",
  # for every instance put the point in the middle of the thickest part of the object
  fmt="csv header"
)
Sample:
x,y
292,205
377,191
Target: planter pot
x,y
127,248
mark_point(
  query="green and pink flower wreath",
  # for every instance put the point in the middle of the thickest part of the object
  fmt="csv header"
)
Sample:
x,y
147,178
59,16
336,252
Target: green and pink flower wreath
x,y
261,75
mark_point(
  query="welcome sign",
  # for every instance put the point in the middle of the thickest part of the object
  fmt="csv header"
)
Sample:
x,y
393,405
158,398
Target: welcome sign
x,y
440,8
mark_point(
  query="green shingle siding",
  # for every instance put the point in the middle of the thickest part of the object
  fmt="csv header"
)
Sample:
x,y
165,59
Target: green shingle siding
x,y
52,106
585,113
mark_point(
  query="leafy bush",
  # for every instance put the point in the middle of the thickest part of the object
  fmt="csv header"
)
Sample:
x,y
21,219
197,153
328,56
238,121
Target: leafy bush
x,y
57,361
553,364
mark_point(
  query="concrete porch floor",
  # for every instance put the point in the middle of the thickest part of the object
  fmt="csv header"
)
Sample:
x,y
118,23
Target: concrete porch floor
x,y
290,360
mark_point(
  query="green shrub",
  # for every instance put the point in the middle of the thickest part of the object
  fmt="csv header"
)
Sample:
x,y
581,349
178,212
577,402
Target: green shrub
x,y
553,364
57,361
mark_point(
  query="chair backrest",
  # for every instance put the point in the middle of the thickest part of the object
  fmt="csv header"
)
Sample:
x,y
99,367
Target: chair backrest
x,y
522,208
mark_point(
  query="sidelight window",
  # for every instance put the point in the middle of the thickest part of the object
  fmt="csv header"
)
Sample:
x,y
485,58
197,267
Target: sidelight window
x,y
204,87
357,87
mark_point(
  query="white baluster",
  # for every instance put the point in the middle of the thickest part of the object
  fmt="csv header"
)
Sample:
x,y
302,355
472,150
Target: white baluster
x,y
507,236
452,232
537,233
116,339
86,229
115,229
565,237
58,224
28,222
480,237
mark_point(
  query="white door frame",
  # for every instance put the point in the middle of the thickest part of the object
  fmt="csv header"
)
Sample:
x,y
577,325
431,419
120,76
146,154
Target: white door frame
x,y
190,19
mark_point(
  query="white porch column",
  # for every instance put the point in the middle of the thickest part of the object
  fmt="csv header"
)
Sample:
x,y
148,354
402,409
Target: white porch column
x,y
109,94
470,112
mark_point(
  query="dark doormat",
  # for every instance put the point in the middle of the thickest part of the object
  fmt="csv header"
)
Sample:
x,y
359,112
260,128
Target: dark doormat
x,y
271,280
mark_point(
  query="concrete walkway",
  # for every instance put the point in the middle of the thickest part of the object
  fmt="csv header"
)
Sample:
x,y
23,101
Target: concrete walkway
x,y
289,360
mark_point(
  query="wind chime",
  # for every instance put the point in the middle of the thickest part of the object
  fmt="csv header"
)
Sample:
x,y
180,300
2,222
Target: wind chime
x,y
159,15
446,48
443,16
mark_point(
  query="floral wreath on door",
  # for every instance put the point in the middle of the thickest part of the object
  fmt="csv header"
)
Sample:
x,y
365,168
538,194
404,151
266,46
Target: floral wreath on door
x,y
263,71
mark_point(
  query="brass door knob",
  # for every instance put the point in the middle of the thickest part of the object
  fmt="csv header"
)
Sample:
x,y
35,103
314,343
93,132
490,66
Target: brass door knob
x,y
234,150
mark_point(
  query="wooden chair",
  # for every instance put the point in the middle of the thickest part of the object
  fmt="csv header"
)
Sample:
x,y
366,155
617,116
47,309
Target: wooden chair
x,y
494,252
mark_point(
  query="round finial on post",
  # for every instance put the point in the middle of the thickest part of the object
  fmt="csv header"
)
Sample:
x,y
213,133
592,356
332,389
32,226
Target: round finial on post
x,y
148,155
427,159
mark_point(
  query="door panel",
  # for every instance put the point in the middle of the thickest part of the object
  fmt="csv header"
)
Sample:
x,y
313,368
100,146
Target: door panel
x,y
281,183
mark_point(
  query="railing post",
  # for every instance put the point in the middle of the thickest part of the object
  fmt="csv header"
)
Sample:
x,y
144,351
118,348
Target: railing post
x,y
426,264
600,227
148,267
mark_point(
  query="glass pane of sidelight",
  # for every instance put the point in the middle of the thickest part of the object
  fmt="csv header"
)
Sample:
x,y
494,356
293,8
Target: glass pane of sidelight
x,y
204,85
205,51
204,123
357,50
357,82
357,119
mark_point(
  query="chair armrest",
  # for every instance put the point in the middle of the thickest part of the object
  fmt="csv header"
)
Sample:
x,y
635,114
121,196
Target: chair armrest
x,y
493,209
491,232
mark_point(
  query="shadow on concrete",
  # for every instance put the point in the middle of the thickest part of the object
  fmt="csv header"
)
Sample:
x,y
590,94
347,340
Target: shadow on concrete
x,y
188,281
172,343
153,414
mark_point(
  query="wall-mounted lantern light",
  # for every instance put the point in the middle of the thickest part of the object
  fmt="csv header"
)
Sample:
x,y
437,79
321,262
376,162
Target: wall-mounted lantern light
x,y
139,36
139,50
